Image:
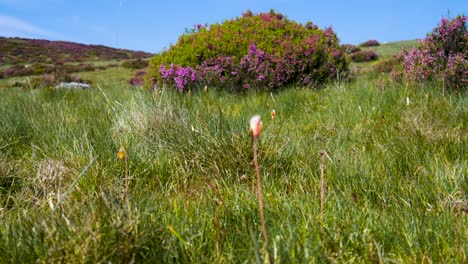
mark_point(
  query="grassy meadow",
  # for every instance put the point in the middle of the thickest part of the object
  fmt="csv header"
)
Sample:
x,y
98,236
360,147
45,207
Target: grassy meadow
x,y
394,162
387,50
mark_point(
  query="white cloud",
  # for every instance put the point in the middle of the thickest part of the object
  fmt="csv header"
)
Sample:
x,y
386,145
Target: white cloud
x,y
14,27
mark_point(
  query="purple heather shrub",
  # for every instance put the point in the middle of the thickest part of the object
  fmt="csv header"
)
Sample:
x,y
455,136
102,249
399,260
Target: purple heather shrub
x,y
370,43
456,73
442,55
310,25
261,51
420,64
138,78
136,81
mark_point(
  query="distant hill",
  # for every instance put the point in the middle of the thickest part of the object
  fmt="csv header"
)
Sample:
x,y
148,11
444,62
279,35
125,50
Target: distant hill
x,y
20,51
389,49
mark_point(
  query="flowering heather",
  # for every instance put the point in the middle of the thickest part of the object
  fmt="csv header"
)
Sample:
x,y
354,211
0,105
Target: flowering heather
x,y
138,78
20,50
178,75
442,55
260,51
370,43
456,72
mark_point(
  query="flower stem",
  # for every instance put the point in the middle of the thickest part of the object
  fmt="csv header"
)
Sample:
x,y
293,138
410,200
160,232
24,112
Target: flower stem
x,y
260,195
127,198
323,185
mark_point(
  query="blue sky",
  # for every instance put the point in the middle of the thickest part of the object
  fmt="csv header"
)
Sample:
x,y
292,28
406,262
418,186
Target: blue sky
x,y
153,25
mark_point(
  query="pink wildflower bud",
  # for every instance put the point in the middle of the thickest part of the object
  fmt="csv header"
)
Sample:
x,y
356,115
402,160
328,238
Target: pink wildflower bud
x,y
256,126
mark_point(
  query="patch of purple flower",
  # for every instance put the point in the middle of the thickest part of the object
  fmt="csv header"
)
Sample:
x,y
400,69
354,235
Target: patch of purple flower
x,y
178,75
370,43
138,78
442,55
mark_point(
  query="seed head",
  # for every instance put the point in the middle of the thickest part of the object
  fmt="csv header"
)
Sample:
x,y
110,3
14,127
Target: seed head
x,y
256,126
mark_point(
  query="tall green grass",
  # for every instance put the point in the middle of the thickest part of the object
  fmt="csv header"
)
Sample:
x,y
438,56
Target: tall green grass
x,y
396,177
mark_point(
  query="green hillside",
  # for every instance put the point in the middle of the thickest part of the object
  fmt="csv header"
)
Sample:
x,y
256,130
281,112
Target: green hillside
x,y
389,49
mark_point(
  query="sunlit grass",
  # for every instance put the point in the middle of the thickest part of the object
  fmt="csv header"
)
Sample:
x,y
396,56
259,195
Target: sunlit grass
x,y
395,192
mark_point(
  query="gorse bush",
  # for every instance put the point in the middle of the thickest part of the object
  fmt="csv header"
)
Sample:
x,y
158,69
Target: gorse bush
x,y
264,50
442,55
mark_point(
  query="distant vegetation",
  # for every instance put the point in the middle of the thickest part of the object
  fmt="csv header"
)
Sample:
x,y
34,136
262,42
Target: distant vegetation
x,y
349,48
24,57
364,55
370,43
16,51
135,64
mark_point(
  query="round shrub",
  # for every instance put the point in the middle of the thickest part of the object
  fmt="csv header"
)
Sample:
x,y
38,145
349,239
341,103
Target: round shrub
x,y
370,43
135,64
262,51
442,55
138,78
349,48
37,82
364,55
456,72
18,70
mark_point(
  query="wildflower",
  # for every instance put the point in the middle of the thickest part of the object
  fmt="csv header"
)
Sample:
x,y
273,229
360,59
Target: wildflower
x,y
121,154
273,114
206,88
256,126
